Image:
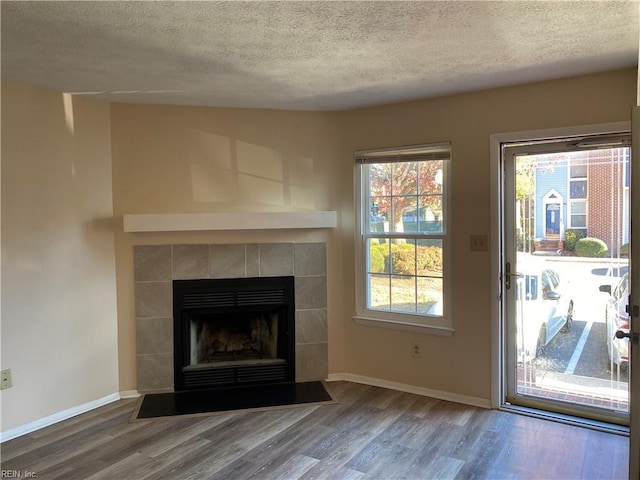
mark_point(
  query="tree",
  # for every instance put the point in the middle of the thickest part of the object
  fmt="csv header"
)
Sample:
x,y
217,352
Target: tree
x,y
397,187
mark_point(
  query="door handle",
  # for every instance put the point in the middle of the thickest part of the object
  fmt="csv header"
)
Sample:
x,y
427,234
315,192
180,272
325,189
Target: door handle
x,y
508,274
633,337
634,312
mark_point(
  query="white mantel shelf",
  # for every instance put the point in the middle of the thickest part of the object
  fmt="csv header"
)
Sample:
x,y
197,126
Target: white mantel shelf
x,y
183,222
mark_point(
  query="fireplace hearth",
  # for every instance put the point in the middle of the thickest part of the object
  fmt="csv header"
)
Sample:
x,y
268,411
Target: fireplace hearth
x,y
236,331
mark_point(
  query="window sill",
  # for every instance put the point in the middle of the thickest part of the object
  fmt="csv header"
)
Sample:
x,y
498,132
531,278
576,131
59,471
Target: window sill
x,y
405,326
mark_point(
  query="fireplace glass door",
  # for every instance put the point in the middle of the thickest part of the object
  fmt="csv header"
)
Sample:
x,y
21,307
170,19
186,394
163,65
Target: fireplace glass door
x,y
233,331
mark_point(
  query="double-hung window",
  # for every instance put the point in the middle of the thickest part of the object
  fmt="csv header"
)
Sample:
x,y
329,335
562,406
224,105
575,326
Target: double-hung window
x,y
578,193
402,245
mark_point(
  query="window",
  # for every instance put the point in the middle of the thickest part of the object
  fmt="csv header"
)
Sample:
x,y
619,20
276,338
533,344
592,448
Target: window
x,y
578,193
403,236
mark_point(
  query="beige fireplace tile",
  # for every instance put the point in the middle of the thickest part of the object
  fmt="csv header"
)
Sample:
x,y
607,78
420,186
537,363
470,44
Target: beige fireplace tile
x,y
154,335
155,371
310,259
253,260
190,261
227,261
152,263
276,259
312,362
154,299
311,326
311,292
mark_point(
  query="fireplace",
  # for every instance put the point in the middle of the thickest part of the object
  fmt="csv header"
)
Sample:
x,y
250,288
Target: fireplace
x,y
156,267
234,331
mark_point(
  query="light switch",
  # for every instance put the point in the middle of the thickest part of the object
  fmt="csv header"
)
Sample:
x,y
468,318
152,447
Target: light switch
x,y
478,243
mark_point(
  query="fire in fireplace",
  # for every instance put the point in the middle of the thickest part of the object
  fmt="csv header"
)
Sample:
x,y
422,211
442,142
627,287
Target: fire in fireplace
x,y
233,331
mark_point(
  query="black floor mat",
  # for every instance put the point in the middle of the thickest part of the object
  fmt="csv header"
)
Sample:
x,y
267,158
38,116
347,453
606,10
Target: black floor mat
x,y
230,399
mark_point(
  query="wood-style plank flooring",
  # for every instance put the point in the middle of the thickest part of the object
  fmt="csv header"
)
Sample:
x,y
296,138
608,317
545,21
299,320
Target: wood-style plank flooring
x,y
372,433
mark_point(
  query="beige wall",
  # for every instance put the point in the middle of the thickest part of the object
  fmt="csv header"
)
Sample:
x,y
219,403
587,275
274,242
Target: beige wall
x,y
55,207
187,159
59,324
461,364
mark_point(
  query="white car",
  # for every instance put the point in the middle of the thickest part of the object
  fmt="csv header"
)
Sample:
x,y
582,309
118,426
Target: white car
x,y
617,318
544,309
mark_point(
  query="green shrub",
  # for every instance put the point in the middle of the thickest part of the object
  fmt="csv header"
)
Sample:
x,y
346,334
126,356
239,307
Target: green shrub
x,y
525,244
403,258
624,250
591,247
378,257
571,237
428,261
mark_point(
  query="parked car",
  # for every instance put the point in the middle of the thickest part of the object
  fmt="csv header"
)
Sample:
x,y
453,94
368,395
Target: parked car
x,y
617,318
544,309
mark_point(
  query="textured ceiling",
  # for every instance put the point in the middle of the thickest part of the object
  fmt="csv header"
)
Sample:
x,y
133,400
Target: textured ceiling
x,y
308,55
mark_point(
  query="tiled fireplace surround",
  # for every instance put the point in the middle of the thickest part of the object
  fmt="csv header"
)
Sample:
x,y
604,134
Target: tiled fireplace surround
x,y
156,266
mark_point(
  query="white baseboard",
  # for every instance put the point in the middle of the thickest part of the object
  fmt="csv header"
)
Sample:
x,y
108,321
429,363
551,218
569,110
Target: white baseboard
x,y
129,394
403,387
64,415
333,377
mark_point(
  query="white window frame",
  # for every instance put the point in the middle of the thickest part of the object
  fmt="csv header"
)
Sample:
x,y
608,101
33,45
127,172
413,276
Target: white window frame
x,y
573,201
586,213
429,324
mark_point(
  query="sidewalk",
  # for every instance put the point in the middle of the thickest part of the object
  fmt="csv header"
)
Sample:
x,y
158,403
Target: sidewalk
x,y
573,259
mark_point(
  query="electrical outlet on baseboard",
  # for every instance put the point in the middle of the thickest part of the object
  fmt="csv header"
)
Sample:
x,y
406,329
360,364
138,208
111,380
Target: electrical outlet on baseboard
x,y
415,350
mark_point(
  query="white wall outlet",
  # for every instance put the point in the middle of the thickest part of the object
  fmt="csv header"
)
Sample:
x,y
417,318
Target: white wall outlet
x,y
5,379
415,350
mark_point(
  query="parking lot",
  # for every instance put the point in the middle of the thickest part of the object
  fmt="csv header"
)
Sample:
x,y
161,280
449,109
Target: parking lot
x,y
577,361
589,358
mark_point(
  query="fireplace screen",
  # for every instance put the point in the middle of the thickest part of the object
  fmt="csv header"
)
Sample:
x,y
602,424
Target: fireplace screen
x,y
233,331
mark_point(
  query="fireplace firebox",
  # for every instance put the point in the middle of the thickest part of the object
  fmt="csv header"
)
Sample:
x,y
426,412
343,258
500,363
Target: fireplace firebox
x,y
233,331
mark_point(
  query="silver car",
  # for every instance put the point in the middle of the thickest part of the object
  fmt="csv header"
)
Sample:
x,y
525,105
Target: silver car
x,y
544,309
617,318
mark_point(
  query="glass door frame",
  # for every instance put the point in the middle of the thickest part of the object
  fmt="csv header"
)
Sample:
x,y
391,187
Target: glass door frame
x,y
634,377
499,254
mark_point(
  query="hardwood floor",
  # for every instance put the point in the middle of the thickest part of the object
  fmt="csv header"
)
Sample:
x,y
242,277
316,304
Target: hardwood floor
x,y
372,433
